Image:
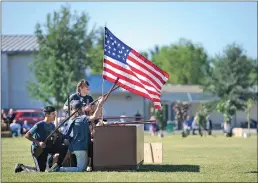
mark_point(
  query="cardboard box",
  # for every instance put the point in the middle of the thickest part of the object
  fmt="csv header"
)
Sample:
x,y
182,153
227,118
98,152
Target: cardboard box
x,y
118,147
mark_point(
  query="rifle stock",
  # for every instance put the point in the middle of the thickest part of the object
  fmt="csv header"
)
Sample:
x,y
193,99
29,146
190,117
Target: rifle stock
x,y
37,152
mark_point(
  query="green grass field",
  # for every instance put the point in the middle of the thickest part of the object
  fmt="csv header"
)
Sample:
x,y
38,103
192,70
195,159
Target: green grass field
x,y
191,159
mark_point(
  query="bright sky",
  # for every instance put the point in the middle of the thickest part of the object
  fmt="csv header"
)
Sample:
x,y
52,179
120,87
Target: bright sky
x,y
141,25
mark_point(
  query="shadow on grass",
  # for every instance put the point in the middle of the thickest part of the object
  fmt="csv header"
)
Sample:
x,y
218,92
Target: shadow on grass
x,y
252,172
169,168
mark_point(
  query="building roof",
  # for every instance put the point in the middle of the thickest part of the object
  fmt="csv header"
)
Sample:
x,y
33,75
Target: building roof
x,y
18,43
182,88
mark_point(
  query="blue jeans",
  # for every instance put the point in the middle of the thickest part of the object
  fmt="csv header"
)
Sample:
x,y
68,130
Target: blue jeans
x,y
16,133
82,161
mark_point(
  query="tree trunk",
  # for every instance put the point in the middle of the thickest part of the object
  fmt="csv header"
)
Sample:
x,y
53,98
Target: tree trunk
x,y
249,125
227,127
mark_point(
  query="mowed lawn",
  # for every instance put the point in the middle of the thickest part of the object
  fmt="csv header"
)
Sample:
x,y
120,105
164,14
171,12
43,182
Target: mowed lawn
x,y
191,159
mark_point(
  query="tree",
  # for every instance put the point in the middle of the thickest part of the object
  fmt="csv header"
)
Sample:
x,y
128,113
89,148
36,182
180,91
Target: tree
x,y
97,51
229,80
62,57
253,74
154,52
227,108
249,105
184,61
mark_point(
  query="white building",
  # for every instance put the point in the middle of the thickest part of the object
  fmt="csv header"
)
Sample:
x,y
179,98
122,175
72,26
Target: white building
x,y
16,54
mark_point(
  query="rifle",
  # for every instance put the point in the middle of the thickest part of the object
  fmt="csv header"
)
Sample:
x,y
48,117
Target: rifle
x,y
39,150
68,99
130,122
120,117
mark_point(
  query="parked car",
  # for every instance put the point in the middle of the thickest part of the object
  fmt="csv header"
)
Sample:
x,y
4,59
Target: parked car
x,y
32,115
253,124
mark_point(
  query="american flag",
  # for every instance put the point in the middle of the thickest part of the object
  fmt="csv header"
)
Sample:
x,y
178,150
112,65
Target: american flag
x,y
136,73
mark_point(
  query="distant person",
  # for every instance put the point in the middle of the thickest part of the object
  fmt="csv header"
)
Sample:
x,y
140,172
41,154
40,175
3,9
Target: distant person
x,y
3,126
59,120
10,117
26,127
208,125
3,116
138,116
122,119
3,120
159,116
154,127
188,123
195,125
15,128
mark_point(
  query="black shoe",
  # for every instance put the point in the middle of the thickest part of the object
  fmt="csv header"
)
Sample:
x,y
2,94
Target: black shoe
x,y
18,168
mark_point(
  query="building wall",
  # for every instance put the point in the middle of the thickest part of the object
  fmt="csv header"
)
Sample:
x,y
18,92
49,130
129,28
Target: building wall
x,y
117,104
18,75
4,81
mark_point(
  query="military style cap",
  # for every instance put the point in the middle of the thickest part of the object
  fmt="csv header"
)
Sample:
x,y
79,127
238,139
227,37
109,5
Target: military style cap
x,y
49,109
76,104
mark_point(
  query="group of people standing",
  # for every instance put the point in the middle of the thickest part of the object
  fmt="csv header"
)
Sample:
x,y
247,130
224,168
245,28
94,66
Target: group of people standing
x,y
191,124
74,142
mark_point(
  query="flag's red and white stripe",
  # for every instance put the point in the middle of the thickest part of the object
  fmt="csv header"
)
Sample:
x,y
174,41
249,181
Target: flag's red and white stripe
x,y
139,76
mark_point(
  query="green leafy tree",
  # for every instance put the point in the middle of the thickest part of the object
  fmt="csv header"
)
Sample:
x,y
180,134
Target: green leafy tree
x,y
253,74
229,80
62,56
184,61
249,105
97,51
227,108
154,52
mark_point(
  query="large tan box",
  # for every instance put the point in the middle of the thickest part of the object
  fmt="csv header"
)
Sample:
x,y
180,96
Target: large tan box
x,y
238,132
118,147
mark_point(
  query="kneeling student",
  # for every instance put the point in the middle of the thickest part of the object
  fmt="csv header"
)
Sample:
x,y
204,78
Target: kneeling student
x,y
37,134
78,140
